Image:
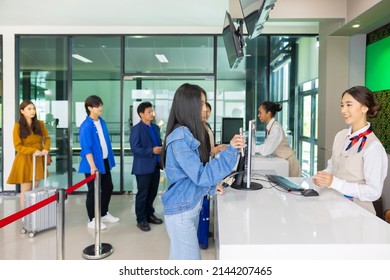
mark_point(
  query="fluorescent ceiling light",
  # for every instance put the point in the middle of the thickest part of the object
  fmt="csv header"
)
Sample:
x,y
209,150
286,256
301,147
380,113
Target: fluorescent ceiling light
x,y
81,58
357,25
161,58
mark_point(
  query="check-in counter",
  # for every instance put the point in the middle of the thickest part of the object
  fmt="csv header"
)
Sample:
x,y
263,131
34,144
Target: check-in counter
x,y
271,165
272,224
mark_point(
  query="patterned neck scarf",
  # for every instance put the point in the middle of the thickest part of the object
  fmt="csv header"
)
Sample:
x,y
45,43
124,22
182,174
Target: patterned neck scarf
x,y
356,138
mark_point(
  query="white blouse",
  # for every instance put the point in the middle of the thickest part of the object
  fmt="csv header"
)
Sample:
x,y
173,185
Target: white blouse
x,y
375,171
272,140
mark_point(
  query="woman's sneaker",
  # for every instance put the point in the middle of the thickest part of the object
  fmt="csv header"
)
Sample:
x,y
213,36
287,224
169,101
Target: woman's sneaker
x,y
108,218
91,225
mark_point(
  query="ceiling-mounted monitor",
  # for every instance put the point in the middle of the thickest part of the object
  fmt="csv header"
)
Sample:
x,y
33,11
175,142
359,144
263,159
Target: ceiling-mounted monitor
x,y
234,41
256,13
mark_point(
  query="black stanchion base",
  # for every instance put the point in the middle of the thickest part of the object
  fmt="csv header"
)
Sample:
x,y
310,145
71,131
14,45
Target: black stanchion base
x,y
253,187
89,253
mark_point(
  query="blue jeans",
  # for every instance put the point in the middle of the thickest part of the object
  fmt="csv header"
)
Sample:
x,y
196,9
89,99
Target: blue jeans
x,y
183,234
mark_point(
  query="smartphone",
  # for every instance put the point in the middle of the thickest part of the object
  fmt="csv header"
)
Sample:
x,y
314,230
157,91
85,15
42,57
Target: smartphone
x,y
242,149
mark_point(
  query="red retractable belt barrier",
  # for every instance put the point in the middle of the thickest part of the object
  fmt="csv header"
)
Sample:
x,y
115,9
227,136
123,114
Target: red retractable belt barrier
x,y
24,212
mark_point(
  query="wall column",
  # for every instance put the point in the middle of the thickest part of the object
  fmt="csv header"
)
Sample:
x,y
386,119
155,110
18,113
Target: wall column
x,y
8,105
333,81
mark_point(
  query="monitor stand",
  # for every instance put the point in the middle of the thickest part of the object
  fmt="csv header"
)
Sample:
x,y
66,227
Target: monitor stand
x,y
253,186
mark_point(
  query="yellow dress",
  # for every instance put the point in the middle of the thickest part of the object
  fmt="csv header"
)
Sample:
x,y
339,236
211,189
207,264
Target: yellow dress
x,y
21,171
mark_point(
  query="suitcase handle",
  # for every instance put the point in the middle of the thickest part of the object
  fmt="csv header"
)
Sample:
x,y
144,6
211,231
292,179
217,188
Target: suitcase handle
x,y
34,171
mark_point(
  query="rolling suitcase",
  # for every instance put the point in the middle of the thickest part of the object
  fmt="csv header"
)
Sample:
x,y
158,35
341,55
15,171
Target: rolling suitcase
x,y
204,223
45,217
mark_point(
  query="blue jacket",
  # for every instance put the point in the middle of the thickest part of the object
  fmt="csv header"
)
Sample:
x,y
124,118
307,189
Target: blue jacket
x,y
90,144
141,145
189,179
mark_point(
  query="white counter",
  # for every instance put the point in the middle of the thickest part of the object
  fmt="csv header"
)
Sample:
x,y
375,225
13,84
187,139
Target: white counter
x,y
271,224
274,165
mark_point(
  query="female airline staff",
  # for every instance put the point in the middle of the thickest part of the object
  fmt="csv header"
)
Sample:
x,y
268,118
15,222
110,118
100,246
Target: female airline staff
x,y
358,166
275,138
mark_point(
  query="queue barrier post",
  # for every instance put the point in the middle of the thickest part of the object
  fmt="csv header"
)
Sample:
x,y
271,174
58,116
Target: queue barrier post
x,y
98,250
61,196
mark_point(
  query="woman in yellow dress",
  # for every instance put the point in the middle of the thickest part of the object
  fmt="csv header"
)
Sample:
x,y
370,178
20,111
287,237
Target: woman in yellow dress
x,y
30,137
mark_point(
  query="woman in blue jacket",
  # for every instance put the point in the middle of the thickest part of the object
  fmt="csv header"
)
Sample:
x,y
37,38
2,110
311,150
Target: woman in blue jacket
x,y
191,175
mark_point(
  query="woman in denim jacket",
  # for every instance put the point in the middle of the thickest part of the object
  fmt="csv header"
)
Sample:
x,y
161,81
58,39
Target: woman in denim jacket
x,y
191,175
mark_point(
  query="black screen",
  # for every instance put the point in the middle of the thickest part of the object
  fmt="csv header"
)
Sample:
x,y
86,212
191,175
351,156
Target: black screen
x,y
244,170
256,13
233,42
230,127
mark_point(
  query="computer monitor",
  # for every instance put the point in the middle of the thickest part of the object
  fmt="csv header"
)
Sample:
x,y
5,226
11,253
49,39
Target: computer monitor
x,y
256,13
234,41
245,165
230,127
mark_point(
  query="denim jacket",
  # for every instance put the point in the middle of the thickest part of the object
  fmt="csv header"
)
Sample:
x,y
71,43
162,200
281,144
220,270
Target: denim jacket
x,y
189,179
90,144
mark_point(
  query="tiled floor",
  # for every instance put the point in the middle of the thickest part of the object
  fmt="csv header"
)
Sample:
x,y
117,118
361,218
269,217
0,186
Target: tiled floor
x,y
128,242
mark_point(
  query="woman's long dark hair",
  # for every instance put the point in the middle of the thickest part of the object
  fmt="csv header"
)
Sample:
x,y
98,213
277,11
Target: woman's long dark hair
x,y
186,111
24,128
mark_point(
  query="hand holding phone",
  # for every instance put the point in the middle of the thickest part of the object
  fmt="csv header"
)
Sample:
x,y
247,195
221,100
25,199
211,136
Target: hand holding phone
x,y
242,149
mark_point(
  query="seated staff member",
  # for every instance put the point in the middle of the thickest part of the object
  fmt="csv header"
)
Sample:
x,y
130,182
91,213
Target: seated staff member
x,y
275,139
358,166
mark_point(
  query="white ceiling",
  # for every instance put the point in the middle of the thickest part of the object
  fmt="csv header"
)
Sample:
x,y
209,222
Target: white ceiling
x,y
113,12
157,14
185,16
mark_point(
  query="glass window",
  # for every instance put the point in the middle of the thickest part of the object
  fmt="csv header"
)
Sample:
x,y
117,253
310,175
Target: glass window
x,y
307,127
145,55
160,92
280,75
316,117
307,116
1,111
294,65
152,68
155,66
231,93
43,79
306,157
96,71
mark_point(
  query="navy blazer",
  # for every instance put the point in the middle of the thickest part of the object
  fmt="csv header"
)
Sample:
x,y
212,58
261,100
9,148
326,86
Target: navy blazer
x,y
141,144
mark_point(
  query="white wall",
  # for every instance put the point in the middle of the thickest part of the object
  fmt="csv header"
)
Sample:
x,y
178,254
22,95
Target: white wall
x,y
357,60
357,7
309,9
333,81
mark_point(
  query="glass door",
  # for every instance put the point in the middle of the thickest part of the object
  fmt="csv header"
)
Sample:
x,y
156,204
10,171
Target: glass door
x,y
96,64
160,92
43,79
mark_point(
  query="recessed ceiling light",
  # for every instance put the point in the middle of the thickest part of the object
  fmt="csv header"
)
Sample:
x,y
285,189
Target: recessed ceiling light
x,y
356,25
161,58
81,58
